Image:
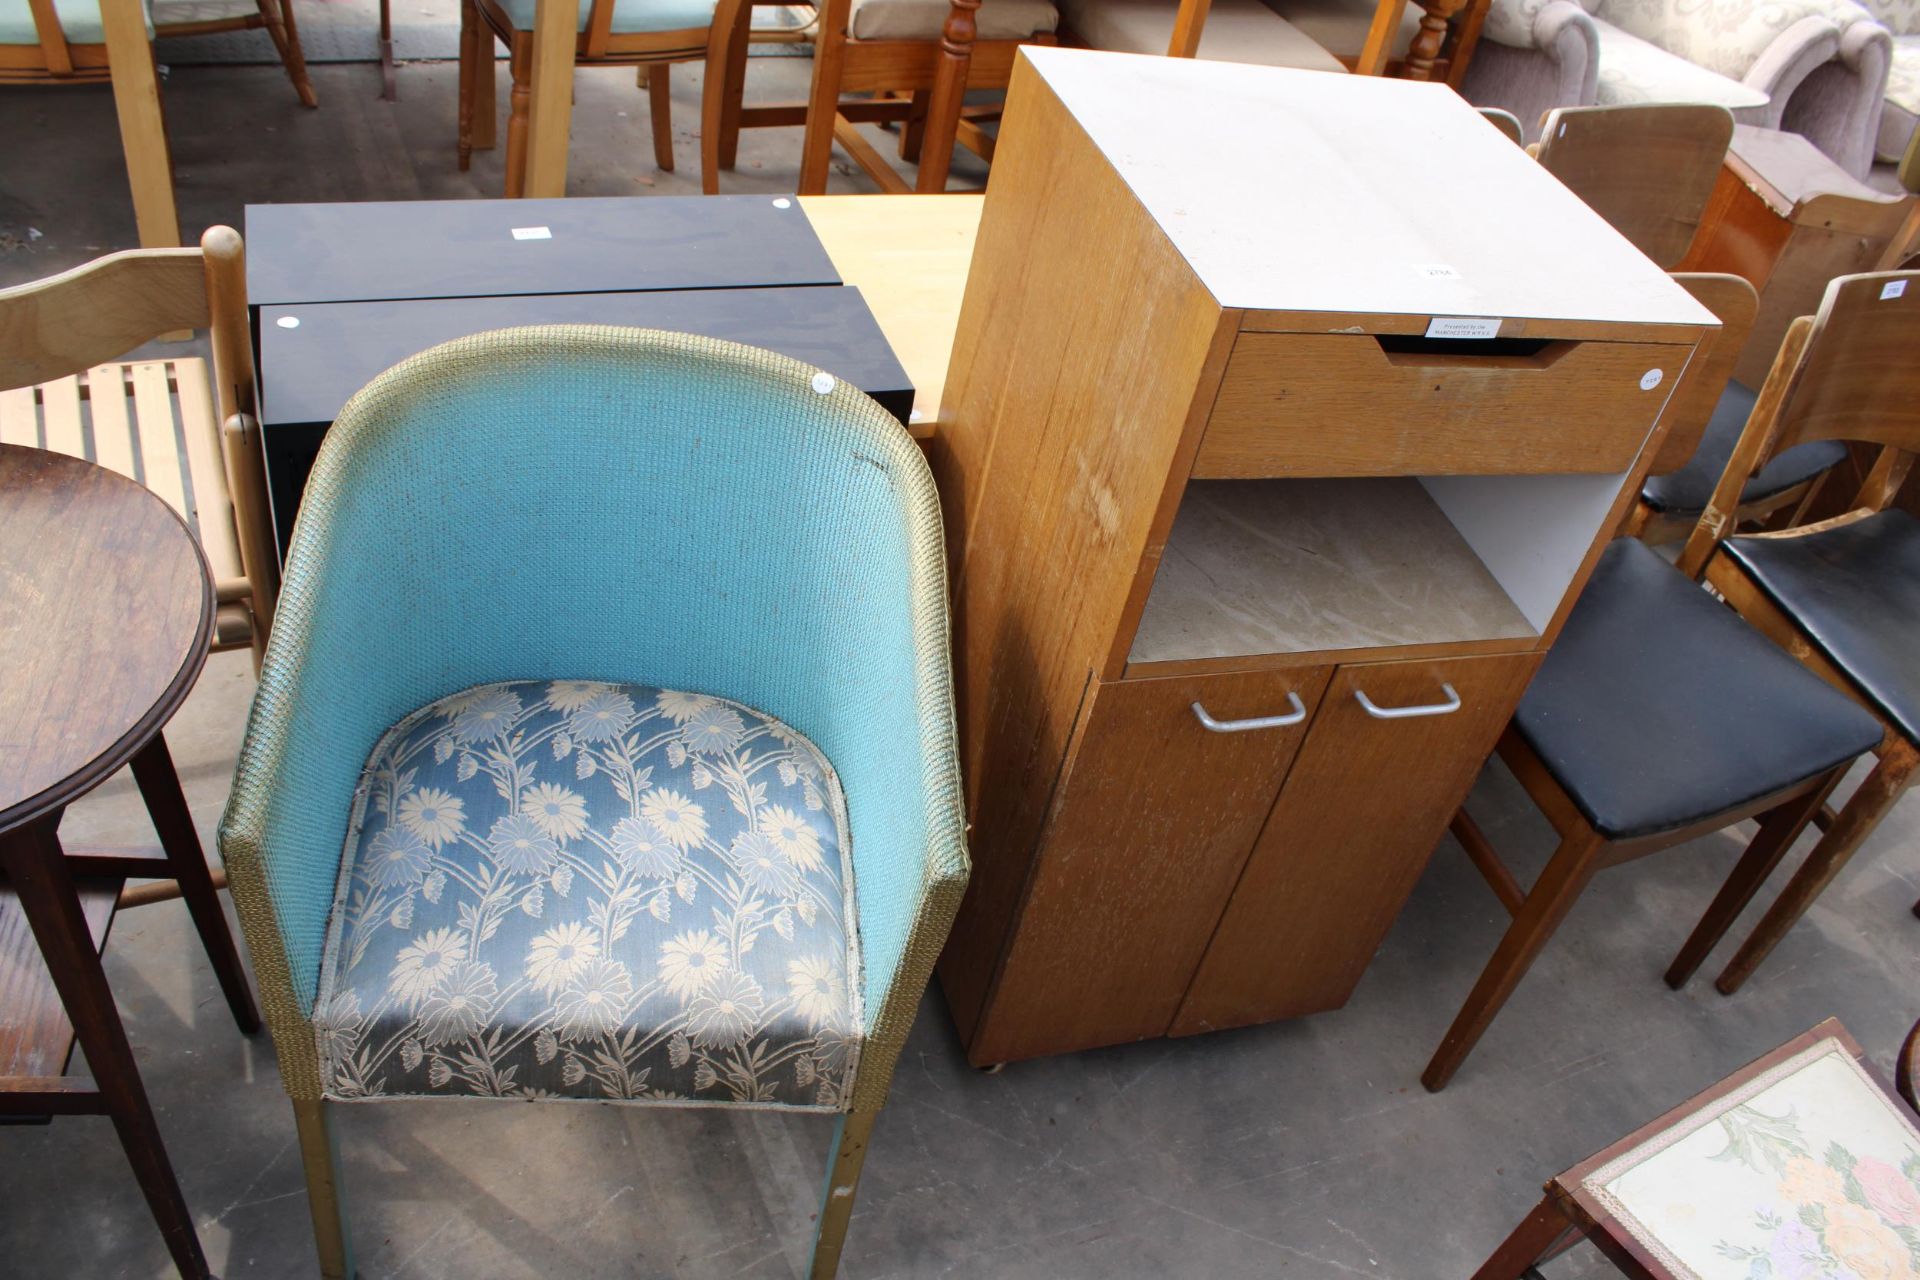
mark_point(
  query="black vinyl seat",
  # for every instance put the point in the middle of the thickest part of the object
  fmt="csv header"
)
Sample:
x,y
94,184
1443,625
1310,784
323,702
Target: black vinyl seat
x,y
1855,591
1658,707
1687,490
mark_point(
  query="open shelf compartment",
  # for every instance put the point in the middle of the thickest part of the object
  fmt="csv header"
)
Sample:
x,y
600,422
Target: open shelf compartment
x,y
1268,567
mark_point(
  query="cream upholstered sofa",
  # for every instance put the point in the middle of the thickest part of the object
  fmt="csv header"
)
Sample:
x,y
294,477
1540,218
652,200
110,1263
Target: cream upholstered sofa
x,y
1902,111
1813,67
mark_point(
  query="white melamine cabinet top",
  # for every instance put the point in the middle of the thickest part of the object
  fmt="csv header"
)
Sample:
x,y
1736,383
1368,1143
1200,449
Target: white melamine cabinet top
x,y
1305,191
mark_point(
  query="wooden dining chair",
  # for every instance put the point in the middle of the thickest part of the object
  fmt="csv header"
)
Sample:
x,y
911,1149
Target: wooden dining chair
x,y
1650,171
85,44
649,34
1799,1164
915,58
275,17
1507,123
1623,737
183,430
1843,595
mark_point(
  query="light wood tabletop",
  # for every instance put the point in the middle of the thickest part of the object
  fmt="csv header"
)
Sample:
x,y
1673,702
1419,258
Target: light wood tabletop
x,y
908,256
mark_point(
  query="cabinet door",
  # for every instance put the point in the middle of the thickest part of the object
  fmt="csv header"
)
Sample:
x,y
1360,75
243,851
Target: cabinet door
x,y
1148,831
1361,812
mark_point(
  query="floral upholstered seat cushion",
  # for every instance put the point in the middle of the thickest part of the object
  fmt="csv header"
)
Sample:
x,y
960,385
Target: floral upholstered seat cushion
x,y
598,891
1809,1171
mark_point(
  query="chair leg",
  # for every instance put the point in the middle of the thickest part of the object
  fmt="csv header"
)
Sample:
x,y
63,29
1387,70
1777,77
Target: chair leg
x,y
1778,830
713,88
1547,904
823,105
285,33
734,83
660,107
470,26
520,67
1538,1235
850,1137
320,1158
946,98
389,72
486,90
1854,823
159,784
913,130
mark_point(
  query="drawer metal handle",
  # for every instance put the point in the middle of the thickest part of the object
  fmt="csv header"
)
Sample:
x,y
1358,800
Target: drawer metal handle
x,y
1447,708
1294,716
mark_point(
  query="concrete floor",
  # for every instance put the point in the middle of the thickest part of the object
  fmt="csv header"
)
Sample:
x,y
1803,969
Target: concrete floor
x,y
1303,1149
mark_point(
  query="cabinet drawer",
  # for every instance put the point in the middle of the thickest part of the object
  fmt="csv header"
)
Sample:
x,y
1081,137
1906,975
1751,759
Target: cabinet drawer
x,y
1346,405
1150,825
1365,804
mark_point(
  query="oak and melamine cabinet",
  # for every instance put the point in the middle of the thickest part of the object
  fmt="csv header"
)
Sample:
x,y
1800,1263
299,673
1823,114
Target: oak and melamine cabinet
x,y
1207,457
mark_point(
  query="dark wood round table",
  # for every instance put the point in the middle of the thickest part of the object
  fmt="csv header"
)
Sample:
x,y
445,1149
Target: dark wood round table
x,y
106,614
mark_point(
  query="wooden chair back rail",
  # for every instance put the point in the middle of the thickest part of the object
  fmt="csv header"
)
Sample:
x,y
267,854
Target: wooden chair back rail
x,y
1648,170
53,40
1846,373
87,316
1736,304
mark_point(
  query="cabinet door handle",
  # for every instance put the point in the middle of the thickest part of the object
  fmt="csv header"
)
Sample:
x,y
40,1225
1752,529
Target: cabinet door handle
x,y
1294,716
1447,708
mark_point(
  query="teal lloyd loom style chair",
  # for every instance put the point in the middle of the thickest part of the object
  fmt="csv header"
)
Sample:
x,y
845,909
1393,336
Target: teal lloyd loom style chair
x,y
650,793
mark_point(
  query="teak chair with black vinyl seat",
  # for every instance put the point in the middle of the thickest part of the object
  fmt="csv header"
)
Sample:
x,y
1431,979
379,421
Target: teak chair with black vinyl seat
x,y
649,34
1650,170
1507,123
918,58
1842,596
1623,737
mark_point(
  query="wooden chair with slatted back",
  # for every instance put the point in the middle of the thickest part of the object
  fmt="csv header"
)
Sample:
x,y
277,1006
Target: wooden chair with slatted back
x,y
1624,738
1842,595
65,386
1650,171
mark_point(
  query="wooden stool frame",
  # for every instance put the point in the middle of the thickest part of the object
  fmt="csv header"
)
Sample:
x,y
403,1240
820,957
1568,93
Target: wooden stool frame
x,y
1567,1214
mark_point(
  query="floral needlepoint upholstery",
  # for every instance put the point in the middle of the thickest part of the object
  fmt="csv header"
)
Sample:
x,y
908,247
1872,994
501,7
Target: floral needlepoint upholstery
x,y
582,890
1809,1171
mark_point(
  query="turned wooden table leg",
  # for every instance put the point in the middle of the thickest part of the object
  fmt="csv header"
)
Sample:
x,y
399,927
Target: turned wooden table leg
x,y
949,93
38,873
1435,18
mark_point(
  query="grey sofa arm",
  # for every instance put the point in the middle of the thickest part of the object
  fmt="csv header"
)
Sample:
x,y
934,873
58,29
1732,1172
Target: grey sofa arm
x,y
1831,91
1534,55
